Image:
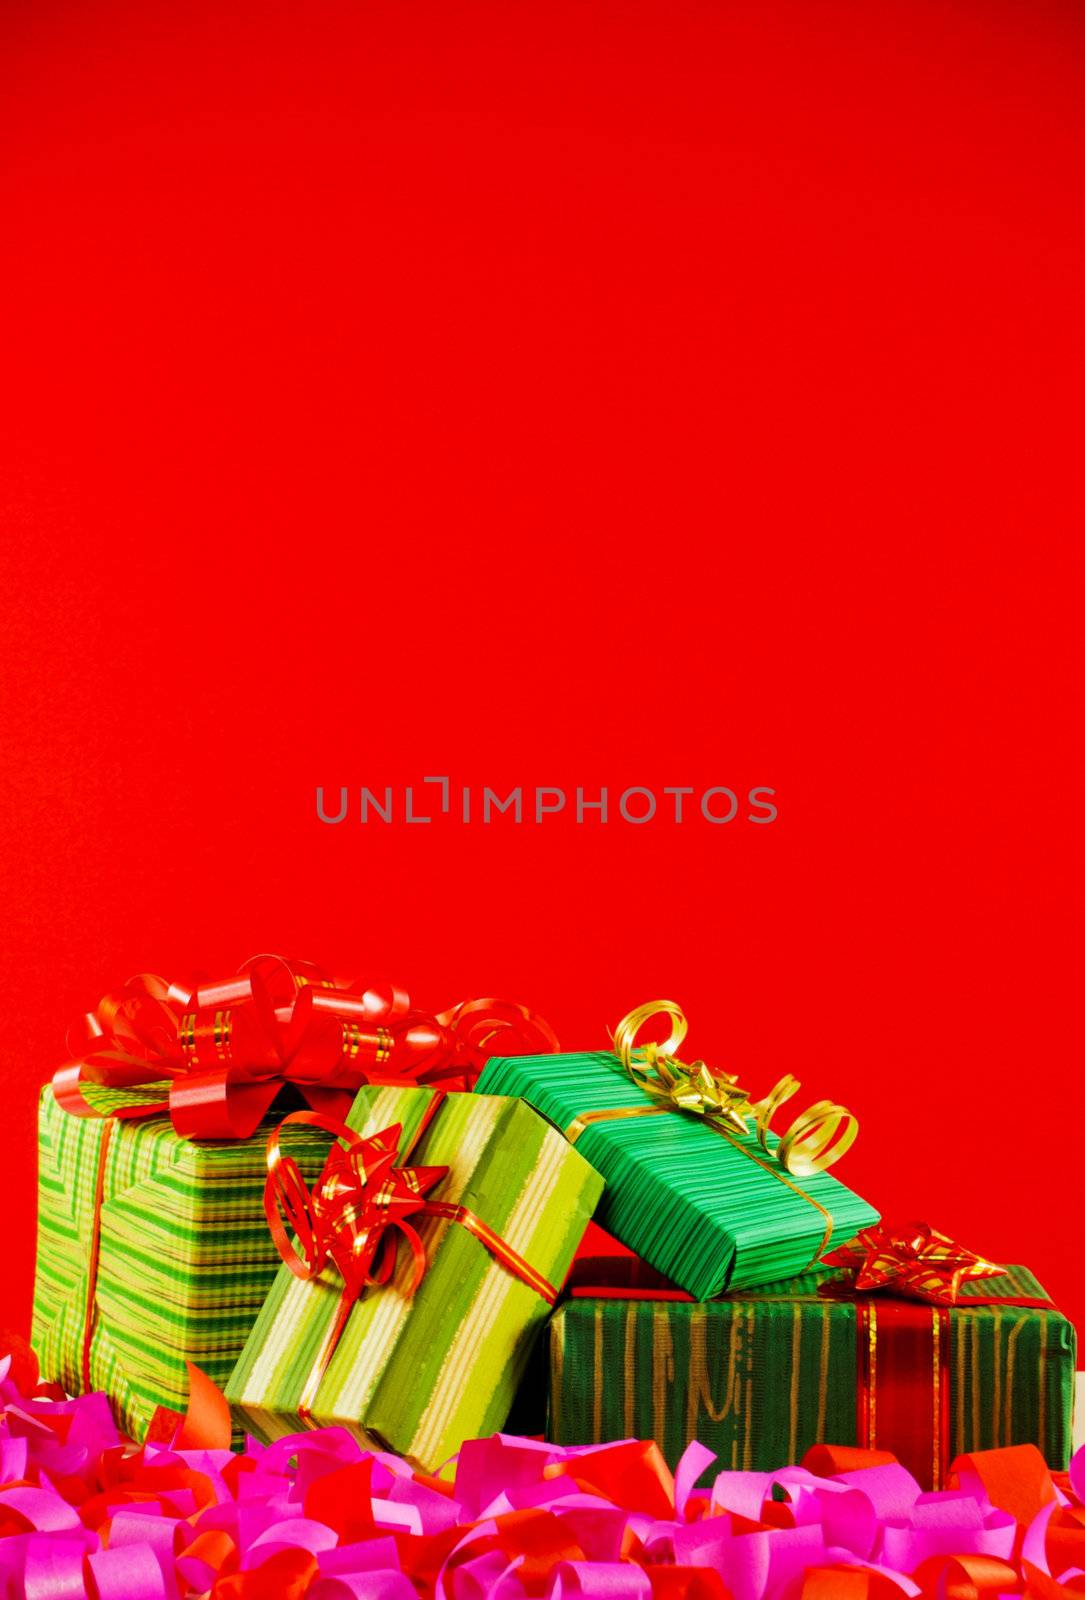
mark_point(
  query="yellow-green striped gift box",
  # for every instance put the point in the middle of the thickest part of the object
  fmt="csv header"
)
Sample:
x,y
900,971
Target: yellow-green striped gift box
x,y
185,1258
419,1374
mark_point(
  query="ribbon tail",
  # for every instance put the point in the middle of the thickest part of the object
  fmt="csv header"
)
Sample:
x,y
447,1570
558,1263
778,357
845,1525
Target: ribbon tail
x,y
70,1081
329,1345
204,1425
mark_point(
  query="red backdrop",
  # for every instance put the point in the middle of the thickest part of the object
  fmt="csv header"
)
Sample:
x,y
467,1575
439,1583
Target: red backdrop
x,y
664,393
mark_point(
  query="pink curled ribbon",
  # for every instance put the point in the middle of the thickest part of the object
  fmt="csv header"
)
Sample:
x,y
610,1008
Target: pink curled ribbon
x,y
84,1513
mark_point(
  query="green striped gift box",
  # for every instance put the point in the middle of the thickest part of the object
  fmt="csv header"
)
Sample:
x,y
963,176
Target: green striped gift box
x,y
186,1259
419,1374
760,1376
709,1212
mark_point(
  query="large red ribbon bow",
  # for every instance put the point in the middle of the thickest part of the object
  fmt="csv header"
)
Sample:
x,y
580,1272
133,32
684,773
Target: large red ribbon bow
x,y
227,1047
911,1259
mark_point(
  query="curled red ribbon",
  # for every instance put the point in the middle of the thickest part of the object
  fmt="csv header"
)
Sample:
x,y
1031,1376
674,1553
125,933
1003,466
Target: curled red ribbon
x,y
227,1047
361,1199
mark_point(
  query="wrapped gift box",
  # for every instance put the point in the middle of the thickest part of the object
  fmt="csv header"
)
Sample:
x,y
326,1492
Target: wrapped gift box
x,y
762,1375
419,1373
708,1209
184,1259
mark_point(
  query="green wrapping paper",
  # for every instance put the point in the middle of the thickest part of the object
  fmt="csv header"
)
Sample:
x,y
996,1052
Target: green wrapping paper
x,y
709,1212
186,1260
419,1374
760,1376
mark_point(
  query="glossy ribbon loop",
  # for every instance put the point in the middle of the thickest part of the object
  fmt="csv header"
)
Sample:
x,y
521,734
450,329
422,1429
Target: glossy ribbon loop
x,y
219,1051
814,1141
361,1194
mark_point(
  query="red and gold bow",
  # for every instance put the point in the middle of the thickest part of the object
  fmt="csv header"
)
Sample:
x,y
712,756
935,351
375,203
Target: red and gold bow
x,y
911,1259
227,1047
349,1215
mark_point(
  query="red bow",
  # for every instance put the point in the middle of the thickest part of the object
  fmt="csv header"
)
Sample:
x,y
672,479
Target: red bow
x,y
228,1047
348,1216
913,1260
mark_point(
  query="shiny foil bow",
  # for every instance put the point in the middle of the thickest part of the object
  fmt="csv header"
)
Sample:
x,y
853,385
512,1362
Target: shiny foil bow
x,y
227,1047
913,1260
351,1216
814,1141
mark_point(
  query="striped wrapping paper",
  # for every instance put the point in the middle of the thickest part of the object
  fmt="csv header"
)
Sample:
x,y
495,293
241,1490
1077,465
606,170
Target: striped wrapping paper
x,y
761,1376
420,1374
709,1211
186,1258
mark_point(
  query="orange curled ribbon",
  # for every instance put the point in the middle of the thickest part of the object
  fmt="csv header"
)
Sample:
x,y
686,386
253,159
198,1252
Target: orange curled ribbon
x,y
358,1212
225,1048
815,1140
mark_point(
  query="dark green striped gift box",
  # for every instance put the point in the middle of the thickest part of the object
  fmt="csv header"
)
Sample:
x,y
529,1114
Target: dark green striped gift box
x,y
762,1375
709,1212
421,1373
186,1259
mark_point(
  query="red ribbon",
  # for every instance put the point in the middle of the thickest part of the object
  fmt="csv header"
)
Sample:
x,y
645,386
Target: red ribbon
x,y
913,1261
227,1047
903,1372
203,1425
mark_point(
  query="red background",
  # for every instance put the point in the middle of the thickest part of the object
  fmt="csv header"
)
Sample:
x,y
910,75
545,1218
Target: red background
x,y
615,393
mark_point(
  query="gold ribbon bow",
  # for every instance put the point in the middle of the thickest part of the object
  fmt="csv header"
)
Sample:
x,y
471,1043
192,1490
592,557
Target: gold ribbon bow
x,y
815,1140
678,1086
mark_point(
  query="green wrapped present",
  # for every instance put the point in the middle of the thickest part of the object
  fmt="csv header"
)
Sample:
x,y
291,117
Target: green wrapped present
x,y
420,1367
761,1376
690,1186
178,1247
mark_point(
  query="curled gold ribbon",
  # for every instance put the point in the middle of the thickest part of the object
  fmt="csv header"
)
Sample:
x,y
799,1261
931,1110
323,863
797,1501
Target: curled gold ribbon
x,y
656,1069
816,1139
